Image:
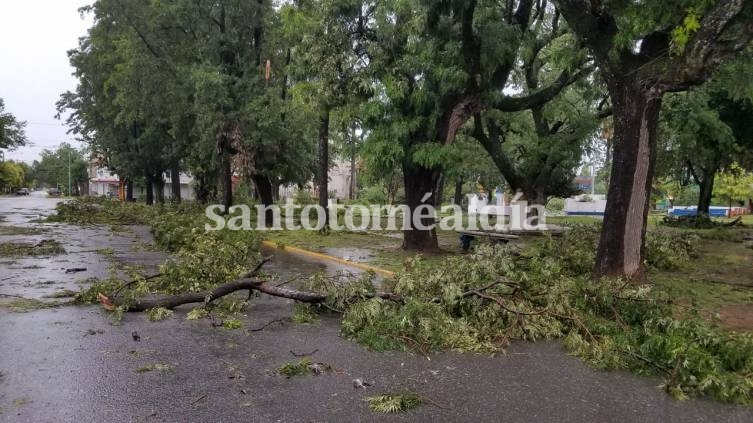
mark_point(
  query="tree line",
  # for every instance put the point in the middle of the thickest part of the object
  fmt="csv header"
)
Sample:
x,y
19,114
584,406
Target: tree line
x,y
426,92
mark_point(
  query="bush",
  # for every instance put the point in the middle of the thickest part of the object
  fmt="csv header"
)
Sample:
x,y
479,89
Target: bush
x,y
373,195
556,204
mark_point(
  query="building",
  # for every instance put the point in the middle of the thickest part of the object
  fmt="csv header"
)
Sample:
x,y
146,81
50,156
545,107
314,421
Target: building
x,y
340,177
103,182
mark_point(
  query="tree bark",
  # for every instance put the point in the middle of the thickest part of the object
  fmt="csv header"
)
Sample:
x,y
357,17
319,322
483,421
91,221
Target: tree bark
x,y
419,182
227,180
175,194
159,189
129,189
705,193
534,197
264,190
458,197
323,165
149,190
621,245
248,282
353,183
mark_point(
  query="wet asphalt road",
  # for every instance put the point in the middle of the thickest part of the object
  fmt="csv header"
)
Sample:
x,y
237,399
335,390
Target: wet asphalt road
x,y
72,364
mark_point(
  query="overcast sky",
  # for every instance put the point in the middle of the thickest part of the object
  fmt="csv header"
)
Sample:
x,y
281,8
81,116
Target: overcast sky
x,y
34,38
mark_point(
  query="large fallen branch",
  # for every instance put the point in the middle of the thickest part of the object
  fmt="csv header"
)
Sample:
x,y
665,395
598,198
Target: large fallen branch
x,y
249,282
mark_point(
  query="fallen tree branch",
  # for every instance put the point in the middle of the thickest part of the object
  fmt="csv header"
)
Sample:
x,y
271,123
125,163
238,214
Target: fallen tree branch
x,y
248,282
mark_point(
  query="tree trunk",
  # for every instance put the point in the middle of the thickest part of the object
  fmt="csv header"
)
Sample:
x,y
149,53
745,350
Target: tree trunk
x,y
705,193
419,182
439,192
175,194
353,184
227,181
621,245
159,189
534,197
264,190
458,197
149,185
129,190
323,165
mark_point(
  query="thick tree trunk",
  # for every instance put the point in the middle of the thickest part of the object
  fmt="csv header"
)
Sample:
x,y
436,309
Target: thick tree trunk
x,y
439,192
534,197
621,246
264,190
419,182
458,197
705,193
175,194
159,189
129,190
322,177
149,185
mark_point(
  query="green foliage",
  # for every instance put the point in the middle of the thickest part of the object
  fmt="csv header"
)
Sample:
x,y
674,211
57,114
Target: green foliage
x,y
394,403
101,211
300,368
158,313
54,167
12,131
555,204
156,367
12,175
197,313
734,184
481,302
232,324
89,294
45,247
304,314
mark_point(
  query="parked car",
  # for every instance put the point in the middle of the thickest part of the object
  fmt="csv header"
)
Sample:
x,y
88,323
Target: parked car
x,y
54,192
22,191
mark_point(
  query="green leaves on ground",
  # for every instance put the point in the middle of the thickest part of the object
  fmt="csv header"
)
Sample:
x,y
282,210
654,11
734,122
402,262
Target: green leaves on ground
x,y
45,247
394,403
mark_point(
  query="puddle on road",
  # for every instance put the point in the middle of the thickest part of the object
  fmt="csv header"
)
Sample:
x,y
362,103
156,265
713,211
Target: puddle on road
x,y
93,248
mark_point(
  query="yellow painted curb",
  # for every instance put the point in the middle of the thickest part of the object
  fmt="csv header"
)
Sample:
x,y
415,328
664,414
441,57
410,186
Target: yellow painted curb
x,y
320,256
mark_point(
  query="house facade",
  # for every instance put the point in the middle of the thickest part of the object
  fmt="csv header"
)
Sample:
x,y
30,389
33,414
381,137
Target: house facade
x,y
103,182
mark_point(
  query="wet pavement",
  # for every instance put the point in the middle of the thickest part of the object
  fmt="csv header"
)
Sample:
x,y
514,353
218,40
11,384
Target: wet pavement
x,y
71,363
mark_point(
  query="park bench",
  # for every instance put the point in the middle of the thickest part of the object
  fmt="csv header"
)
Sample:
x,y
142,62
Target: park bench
x,y
502,237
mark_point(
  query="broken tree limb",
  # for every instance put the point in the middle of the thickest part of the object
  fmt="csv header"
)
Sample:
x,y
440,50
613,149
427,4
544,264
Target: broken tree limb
x,y
248,282
220,291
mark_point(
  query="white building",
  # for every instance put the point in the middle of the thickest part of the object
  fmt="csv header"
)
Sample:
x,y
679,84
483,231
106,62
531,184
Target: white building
x,y
104,182
338,186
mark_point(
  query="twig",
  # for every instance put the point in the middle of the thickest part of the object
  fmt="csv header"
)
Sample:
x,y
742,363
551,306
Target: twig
x,y
502,304
198,399
647,361
295,354
432,402
281,320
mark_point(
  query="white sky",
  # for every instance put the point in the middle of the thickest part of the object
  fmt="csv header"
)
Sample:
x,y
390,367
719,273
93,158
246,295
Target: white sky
x,y
34,38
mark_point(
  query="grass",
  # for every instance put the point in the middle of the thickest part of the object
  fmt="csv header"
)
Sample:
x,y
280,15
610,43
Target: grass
x,y
720,274
46,247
